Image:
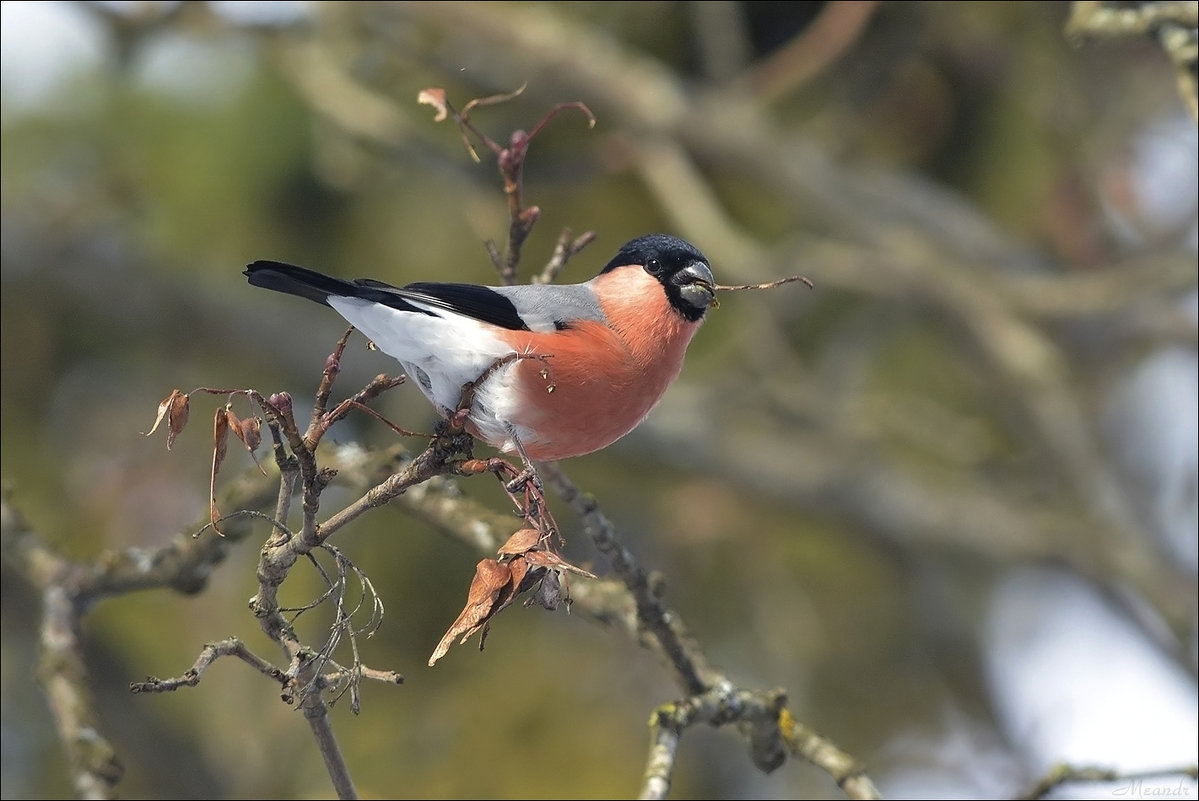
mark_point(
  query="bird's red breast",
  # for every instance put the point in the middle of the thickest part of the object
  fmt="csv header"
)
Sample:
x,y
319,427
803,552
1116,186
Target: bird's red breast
x,y
598,381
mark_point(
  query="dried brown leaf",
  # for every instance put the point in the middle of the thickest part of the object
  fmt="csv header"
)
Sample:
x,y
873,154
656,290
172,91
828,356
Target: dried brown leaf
x,y
249,431
496,584
220,434
551,560
162,413
231,418
520,575
521,542
174,409
491,578
177,416
435,97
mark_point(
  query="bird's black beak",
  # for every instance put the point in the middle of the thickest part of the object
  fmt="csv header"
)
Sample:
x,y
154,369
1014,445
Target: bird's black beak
x,y
696,285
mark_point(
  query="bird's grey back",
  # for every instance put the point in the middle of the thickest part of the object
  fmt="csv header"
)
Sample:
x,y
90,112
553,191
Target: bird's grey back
x,y
547,307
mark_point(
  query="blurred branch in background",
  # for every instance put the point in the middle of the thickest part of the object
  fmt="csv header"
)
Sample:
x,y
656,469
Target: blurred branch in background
x,y
1174,25
902,496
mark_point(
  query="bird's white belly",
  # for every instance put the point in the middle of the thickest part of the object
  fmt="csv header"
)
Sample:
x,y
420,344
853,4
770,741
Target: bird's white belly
x,y
441,355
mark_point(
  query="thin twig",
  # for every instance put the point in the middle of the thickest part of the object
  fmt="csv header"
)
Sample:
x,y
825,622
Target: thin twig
x,y
208,655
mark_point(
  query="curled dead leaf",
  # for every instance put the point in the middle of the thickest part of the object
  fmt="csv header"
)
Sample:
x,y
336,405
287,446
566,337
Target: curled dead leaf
x,y
523,540
435,97
220,435
551,560
491,577
527,562
249,431
162,413
177,416
231,418
174,409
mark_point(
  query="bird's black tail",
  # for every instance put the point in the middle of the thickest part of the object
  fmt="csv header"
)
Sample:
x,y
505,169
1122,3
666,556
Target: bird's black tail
x,y
300,281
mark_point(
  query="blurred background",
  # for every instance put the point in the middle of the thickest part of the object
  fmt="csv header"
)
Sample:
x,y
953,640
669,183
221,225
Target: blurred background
x,y
947,500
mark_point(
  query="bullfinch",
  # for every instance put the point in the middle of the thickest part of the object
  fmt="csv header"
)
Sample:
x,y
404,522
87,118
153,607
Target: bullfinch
x,y
561,370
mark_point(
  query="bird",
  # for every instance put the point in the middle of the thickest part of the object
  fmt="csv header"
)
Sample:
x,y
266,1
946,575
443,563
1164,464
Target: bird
x,y
555,370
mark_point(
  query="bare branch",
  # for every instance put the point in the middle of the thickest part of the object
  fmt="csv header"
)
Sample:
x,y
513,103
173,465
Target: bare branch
x,y
1172,23
1061,775
211,652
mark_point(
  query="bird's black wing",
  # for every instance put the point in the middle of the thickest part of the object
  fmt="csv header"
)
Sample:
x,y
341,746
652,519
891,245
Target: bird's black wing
x,y
480,302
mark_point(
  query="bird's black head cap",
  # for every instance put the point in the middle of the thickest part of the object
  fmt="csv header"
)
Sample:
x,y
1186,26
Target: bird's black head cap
x,y
678,265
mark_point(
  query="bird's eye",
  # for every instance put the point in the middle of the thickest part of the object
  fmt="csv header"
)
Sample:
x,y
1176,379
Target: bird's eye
x,y
653,266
